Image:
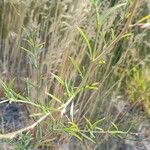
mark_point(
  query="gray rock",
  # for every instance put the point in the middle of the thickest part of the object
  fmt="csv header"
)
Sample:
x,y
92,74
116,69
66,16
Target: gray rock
x,y
13,116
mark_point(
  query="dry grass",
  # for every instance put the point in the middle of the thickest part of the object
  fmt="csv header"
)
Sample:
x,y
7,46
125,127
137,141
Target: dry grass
x,y
45,42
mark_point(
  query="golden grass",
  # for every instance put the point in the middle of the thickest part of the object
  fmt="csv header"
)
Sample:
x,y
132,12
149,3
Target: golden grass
x,y
39,38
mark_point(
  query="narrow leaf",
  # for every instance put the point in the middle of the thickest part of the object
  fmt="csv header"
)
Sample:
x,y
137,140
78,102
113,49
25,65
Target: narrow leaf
x,y
144,18
86,41
28,51
88,138
77,67
97,122
58,79
114,126
54,97
89,123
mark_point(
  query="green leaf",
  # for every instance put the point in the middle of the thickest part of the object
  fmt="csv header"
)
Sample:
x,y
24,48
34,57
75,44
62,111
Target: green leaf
x,y
54,97
92,134
29,83
74,126
28,51
100,129
19,96
87,42
94,2
144,18
75,135
117,132
72,131
127,35
101,62
97,122
88,138
89,123
3,85
77,67
30,42
59,79
114,126
92,86
102,37
68,90
112,33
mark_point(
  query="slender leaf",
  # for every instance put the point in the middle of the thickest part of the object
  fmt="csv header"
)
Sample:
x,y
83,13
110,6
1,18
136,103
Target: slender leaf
x,y
89,123
114,126
97,122
86,137
144,18
77,67
86,41
59,79
54,97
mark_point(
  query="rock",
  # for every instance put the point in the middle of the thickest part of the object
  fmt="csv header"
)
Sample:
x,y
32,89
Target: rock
x,y
13,116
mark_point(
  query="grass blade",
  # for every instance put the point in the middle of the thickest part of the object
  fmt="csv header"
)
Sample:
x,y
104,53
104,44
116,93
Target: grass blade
x,y
87,42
